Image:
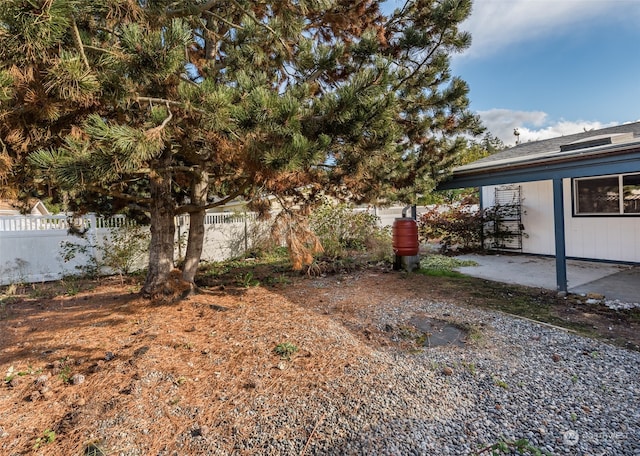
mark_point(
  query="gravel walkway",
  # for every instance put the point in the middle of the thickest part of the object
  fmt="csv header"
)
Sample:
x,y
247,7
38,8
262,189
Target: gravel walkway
x,y
564,394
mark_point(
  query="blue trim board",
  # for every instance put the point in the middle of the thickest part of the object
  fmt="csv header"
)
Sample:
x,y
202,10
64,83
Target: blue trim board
x,y
560,244
510,174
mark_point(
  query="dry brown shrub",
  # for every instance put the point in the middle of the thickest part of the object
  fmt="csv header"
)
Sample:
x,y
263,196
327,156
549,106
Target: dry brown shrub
x,y
293,229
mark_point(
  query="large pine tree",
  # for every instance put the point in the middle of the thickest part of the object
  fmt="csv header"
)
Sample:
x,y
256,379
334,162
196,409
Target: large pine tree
x,y
161,107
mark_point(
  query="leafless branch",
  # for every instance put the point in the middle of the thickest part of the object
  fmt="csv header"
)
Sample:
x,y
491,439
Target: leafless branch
x,y
76,36
222,19
169,117
152,100
165,101
97,49
226,199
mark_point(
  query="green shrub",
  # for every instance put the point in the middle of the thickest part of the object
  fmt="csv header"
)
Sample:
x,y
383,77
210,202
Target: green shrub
x,y
47,437
121,251
341,229
285,349
380,244
247,280
126,247
455,226
443,266
462,227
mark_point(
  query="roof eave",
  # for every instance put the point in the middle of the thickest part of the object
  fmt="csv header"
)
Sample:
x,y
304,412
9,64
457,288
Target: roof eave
x,y
602,162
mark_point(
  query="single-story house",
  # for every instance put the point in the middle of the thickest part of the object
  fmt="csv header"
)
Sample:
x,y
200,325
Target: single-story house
x,y
579,195
11,207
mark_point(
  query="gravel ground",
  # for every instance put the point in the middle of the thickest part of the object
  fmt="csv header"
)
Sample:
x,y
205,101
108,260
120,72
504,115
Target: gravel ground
x,y
191,379
563,393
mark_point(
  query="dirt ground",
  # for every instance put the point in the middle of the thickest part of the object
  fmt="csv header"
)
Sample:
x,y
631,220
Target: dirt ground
x,y
91,368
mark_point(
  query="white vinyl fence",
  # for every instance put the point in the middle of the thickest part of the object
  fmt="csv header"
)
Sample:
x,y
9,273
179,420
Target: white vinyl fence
x,y
32,247
227,234
387,215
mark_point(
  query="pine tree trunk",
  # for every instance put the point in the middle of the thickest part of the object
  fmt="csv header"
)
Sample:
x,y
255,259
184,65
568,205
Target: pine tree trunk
x,y
162,229
196,228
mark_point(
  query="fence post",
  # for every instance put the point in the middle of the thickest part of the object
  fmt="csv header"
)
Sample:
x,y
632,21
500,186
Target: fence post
x,y
246,236
92,235
178,222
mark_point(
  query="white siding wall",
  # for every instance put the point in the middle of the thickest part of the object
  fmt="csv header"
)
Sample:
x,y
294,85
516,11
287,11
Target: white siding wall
x,y
537,217
602,238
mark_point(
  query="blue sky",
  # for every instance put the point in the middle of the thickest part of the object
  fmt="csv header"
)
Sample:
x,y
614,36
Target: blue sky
x,y
552,67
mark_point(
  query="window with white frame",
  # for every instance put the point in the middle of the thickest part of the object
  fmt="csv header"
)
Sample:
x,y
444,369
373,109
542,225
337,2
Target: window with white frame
x,y
607,195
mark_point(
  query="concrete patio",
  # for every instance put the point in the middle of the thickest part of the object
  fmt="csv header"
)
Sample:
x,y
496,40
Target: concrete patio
x,y
614,281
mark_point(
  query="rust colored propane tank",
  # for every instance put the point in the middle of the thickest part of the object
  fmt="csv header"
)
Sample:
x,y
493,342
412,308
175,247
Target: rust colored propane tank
x,y
405,237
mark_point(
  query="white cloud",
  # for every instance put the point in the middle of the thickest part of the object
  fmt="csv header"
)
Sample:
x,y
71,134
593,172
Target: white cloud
x,y
532,125
497,24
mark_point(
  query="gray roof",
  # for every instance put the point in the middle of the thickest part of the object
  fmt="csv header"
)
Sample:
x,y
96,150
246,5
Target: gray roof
x,y
550,147
596,152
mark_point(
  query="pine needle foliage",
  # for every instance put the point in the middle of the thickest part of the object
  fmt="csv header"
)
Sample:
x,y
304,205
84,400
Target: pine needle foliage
x,y
161,108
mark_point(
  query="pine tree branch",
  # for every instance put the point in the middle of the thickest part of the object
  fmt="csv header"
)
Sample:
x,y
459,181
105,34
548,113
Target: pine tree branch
x,y
97,49
284,207
152,100
263,25
424,61
205,7
78,40
195,208
155,133
165,121
198,9
145,171
189,81
313,76
396,18
223,20
184,169
119,195
139,171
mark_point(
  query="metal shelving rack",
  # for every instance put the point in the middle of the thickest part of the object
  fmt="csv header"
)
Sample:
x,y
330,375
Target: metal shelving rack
x,y
506,232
